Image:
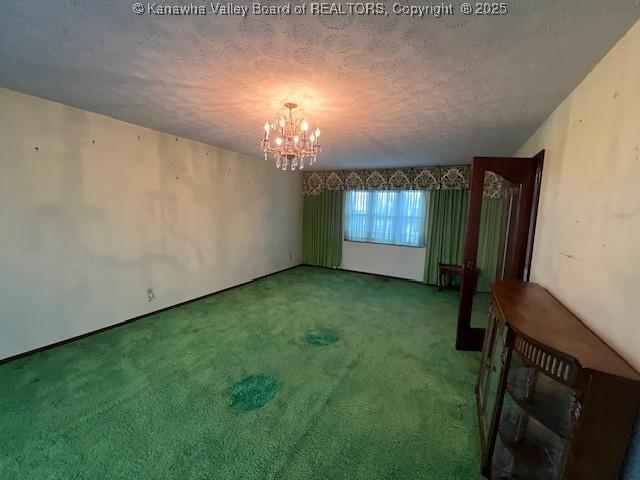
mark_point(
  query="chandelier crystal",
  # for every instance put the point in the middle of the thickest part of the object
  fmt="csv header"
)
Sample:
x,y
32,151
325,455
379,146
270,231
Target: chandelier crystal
x,y
287,141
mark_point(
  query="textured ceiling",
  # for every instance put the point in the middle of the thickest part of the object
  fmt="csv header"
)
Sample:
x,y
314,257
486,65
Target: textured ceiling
x,y
386,91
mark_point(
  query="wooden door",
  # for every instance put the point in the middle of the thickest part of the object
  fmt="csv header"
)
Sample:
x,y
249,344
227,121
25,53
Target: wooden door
x,y
515,182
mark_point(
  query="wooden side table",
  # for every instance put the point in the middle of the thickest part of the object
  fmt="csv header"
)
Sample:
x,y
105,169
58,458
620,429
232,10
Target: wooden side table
x,y
449,272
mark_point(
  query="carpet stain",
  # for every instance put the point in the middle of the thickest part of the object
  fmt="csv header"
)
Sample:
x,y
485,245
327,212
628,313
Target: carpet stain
x,y
253,392
322,336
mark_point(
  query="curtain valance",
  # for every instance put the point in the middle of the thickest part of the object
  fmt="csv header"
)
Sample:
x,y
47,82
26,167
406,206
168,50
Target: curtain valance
x,y
414,178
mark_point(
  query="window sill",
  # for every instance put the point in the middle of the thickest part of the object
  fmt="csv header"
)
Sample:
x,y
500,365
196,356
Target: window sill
x,y
387,244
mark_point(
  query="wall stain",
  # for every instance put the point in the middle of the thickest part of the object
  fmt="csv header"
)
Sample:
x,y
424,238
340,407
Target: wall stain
x,y
623,215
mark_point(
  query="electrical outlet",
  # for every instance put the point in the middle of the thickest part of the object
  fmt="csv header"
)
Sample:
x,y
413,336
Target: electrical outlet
x,y
150,295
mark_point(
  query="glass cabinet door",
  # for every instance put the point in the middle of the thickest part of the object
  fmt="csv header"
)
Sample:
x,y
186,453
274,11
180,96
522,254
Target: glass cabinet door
x,y
489,377
534,423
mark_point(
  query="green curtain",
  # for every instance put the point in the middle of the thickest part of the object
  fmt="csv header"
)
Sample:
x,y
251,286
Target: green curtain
x,y
446,223
322,229
489,241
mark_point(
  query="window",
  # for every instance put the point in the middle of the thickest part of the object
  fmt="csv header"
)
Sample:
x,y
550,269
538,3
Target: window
x,y
395,217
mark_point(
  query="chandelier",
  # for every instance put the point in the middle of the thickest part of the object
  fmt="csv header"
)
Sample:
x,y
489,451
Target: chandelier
x,y
288,141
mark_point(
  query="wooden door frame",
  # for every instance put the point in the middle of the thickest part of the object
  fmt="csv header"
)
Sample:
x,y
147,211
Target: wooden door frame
x,y
521,170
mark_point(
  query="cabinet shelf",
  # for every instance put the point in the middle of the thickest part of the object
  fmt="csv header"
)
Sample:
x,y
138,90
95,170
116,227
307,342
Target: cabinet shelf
x,y
531,448
550,406
521,460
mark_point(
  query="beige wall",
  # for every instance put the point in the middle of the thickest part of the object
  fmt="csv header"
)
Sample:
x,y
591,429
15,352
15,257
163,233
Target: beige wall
x,y
86,228
390,260
587,247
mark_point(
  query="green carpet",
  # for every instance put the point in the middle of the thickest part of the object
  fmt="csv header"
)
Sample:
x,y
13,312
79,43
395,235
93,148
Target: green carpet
x,y
231,387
